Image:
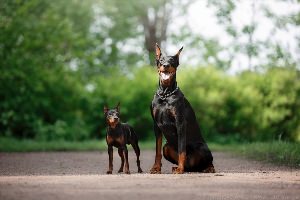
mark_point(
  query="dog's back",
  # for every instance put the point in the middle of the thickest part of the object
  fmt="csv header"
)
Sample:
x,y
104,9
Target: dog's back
x,y
194,133
129,133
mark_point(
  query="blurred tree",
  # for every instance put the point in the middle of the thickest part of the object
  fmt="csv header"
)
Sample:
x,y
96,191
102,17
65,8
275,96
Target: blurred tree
x,y
224,10
44,33
38,40
281,55
61,61
277,55
138,25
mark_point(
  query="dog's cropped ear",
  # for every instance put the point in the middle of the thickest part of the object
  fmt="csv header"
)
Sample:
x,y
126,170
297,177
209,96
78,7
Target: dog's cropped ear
x,y
157,52
105,109
178,53
118,107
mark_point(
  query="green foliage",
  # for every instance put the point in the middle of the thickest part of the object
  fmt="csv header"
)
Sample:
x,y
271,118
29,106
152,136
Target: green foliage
x,y
33,98
42,33
40,95
61,62
134,92
251,106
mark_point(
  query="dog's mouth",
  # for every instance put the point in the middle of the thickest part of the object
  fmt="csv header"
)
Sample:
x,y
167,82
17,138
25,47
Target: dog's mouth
x,y
112,121
165,75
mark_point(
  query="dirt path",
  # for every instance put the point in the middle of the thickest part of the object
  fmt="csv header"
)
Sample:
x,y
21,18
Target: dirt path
x,y
79,175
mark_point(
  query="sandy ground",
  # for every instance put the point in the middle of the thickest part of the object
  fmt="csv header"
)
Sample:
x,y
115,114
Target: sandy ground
x,y
79,175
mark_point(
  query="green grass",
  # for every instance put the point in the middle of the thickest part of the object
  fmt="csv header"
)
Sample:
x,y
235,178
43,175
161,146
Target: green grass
x,y
277,152
26,145
13,145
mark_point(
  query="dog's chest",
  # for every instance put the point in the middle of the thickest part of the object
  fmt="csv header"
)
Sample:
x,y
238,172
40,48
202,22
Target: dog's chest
x,y
164,115
115,137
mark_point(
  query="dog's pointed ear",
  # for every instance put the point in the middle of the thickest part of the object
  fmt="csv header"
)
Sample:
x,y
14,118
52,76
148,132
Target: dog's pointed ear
x,y
157,52
179,51
105,109
118,107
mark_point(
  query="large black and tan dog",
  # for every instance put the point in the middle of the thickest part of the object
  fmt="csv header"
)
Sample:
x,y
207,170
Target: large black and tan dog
x,y
119,135
174,117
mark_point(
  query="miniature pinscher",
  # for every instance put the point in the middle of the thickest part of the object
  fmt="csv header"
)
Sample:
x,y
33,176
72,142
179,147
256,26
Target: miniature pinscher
x,y
119,135
174,117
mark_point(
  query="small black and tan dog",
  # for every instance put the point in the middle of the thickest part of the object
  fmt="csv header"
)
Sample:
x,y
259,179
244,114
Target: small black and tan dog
x,y
174,117
119,135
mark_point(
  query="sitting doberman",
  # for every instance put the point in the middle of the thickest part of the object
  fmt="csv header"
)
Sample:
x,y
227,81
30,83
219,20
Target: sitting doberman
x,y
119,135
174,117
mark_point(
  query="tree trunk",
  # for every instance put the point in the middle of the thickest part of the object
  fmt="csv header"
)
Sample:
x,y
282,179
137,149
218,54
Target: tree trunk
x,y
155,23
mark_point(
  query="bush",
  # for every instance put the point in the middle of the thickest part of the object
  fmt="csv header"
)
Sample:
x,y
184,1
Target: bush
x,y
256,106
134,92
36,99
249,106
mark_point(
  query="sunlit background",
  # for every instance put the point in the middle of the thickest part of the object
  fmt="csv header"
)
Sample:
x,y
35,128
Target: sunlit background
x,y
62,61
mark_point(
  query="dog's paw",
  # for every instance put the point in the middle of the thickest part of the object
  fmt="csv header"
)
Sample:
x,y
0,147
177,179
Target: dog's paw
x,y
127,172
140,170
155,170
210,169
109,172
120,171
177,170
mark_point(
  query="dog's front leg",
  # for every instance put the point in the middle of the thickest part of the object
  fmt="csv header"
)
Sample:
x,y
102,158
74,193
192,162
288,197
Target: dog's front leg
x,y
110,156
156,169
181,132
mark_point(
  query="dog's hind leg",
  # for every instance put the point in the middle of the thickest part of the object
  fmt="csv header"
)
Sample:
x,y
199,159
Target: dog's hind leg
x,y
200,160
170,154
120,151
137,151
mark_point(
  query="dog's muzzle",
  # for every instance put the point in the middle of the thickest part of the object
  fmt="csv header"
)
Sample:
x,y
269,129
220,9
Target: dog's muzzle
x,y
165,76
113,119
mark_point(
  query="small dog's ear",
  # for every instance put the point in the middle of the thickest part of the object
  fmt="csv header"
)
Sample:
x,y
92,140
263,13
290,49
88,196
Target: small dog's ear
x,y
105,109
157,52
118,107
178,53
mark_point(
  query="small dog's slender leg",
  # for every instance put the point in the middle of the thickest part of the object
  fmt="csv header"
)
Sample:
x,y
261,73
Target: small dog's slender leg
x,y
137,151
125,153
110,155
120,151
